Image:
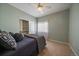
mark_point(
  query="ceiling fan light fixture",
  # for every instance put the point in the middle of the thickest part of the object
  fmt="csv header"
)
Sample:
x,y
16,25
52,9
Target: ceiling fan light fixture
x,y
40,7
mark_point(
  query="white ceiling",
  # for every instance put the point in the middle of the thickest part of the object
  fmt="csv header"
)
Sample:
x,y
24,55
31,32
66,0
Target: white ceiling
x,y
31,9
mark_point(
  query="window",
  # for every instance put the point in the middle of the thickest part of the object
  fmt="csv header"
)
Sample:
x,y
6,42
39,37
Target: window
x,y
43,27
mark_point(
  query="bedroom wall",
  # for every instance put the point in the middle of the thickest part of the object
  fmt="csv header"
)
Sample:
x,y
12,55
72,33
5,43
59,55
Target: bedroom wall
x,y
9,19
74,28
58,25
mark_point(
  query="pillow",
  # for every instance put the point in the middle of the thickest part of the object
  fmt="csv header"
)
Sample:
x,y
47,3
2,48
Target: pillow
x,y
7,41
22,34
0,31
18,37
12,34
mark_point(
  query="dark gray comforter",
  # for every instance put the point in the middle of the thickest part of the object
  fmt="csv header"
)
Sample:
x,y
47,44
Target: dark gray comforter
x,y
40,40
26,47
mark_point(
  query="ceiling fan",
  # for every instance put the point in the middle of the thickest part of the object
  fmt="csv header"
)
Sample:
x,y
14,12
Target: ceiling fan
x,y
42,6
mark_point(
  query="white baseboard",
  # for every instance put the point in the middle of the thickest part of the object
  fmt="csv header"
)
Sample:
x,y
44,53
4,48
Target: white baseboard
x,y
73,50
59,41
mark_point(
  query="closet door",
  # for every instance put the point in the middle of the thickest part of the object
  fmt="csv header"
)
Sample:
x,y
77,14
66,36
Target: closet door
x,y
24,26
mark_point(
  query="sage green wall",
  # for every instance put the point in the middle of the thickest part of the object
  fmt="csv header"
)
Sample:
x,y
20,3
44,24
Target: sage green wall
x,y
58,25
9,19
74,27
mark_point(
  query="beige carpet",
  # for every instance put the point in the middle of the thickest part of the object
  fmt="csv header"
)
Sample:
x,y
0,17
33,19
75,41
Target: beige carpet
x,y
56,49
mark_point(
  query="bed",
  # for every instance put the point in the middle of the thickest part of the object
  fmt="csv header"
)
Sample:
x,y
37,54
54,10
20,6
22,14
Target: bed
x,y
26,47
40,40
